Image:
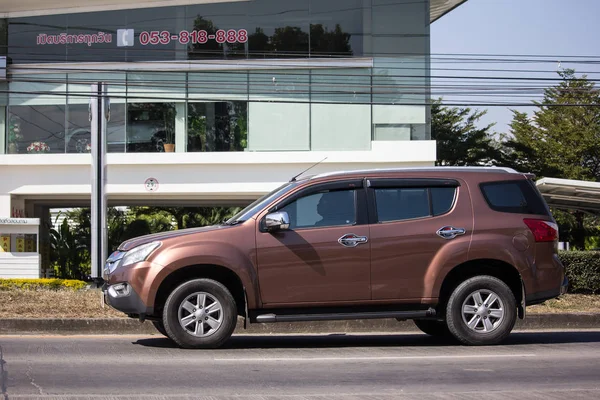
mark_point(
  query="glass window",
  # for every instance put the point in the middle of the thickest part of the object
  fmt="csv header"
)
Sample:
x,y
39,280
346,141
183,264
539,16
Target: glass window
x,y
505,195
100,28
3,130
217,126
279,85
279,29
151,110
345,85
323,209
150,26
224,85
514,197
78,137
36,116
402,204
37,39
3,36
222,30
442,200
338,27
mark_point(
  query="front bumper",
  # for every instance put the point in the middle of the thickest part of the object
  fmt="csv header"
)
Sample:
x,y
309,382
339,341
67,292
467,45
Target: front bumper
x,y
126,301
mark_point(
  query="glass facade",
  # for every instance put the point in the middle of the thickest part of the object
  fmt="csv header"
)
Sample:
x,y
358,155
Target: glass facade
x,y
258,75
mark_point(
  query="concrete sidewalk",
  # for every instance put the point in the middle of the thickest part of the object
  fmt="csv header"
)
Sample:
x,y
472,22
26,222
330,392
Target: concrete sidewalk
x,y
131,326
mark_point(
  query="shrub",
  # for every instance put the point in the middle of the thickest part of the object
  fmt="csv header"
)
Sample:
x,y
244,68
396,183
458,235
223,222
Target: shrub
x,y
41,284
583,270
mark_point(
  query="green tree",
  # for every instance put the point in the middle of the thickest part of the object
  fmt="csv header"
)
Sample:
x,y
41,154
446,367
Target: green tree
x,y
562,140
67,251
460,141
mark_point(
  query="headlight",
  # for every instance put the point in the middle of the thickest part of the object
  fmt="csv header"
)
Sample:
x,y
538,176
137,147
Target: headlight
x,y
139,253
112,263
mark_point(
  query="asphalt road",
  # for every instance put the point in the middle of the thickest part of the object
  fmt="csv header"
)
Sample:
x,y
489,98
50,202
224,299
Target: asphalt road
x,y
532,365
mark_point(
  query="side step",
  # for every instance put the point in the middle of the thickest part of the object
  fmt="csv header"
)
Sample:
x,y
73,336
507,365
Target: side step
x,y
269,318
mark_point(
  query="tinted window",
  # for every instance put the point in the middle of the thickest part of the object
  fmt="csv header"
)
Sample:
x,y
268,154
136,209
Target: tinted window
x,y
442,200
398,204
323,209
401,204
514,197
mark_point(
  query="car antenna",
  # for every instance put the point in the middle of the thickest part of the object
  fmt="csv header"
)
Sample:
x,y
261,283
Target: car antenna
x,y
309,168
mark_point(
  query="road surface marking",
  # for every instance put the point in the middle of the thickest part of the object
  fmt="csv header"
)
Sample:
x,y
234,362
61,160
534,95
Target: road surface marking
x,y
393,358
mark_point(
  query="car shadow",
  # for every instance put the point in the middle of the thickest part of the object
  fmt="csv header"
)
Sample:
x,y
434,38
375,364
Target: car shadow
x,y
377,340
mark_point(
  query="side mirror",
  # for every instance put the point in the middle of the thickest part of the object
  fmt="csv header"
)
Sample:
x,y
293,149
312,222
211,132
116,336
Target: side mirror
x,y
277,221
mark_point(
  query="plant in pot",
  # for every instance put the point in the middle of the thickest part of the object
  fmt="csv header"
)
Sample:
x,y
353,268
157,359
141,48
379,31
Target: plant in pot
x,y
38,147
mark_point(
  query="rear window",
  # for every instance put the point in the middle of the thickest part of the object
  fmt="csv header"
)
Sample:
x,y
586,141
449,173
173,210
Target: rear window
x,y
520,197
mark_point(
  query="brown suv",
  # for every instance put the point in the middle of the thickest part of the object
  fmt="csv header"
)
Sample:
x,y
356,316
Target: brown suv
x,y
461,251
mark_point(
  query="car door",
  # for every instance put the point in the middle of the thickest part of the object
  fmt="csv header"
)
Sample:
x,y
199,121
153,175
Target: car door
x,y
324,256
417,226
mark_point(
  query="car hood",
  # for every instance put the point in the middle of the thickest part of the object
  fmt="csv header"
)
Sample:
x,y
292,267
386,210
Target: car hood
x,y
138,241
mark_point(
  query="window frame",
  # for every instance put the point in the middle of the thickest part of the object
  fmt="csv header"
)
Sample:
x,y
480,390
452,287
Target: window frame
x,y
360,203
408,183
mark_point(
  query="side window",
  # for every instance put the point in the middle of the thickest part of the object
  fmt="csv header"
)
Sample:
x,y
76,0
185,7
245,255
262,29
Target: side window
x,y
323,209
514,197
399,204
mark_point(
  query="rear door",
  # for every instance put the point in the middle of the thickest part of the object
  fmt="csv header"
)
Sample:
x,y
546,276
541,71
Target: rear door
x,y
415,224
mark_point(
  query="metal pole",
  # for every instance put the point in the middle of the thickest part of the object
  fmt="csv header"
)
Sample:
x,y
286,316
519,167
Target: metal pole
x,y
99,116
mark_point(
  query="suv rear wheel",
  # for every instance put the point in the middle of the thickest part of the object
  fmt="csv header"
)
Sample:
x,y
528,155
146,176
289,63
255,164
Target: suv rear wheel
x,y
200,314
481,311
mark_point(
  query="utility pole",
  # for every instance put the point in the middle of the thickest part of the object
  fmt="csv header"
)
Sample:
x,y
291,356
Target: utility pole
x,y
99,117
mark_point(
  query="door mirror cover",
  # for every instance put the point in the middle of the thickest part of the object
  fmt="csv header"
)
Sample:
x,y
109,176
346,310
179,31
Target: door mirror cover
x,y
277,221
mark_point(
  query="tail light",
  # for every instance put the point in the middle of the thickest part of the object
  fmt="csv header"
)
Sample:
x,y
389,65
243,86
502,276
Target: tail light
x,y
543,231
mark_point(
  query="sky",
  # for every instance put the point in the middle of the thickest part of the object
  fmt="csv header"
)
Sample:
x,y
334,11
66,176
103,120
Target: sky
x,y
522,29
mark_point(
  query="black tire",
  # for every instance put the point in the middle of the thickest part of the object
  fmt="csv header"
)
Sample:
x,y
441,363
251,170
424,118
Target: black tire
x,y
227,315
160,328
433,327
476,336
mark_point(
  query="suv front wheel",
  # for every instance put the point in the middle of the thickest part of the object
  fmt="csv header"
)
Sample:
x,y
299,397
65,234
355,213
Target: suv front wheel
x,y
481,311
200,314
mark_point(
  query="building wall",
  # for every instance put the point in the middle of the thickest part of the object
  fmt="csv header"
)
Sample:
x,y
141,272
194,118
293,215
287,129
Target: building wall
x,y
186,178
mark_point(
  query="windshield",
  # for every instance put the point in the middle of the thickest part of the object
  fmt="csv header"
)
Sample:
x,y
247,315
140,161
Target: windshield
x,y
259,204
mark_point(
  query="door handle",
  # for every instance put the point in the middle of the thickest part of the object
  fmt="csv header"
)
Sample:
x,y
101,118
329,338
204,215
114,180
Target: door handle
x,y
352,240
450,232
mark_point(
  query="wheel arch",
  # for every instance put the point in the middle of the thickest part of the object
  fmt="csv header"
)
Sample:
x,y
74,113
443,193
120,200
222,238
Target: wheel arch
x,y
492,267
218,273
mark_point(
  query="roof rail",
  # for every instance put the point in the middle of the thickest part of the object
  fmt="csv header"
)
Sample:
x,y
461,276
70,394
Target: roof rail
x,y
418,169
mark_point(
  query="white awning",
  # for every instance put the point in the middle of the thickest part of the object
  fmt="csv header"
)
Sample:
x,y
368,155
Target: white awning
x,y
571,194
